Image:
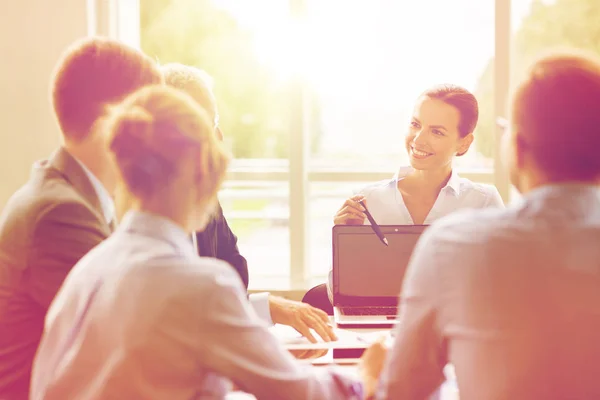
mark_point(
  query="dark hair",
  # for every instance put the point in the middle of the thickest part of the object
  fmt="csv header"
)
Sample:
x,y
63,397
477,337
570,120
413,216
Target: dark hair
x,y
92,74
461,99
555,112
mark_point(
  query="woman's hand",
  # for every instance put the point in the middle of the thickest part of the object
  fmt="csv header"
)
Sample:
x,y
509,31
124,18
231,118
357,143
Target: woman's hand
x,y
371,365
302,317
351,212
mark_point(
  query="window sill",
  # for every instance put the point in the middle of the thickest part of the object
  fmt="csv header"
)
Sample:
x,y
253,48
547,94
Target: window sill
x,y
296,295
280,286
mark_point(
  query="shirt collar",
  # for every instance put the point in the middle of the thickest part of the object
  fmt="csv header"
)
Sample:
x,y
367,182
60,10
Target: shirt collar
x,y
453,183
158,227
106,202
568,190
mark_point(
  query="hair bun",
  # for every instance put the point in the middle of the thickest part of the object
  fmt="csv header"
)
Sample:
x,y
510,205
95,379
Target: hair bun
x,y
132,130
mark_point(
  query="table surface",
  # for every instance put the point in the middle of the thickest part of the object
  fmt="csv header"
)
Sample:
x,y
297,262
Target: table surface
x,y
346,366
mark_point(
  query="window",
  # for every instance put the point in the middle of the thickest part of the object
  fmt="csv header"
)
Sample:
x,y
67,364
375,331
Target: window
x,y
258,213
315,94
381,55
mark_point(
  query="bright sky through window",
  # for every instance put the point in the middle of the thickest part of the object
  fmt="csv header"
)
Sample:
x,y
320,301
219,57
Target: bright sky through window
x,y
409,42
367,60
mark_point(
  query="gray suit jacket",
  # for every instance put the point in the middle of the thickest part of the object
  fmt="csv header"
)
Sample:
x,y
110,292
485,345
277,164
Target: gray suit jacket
x,y
45,228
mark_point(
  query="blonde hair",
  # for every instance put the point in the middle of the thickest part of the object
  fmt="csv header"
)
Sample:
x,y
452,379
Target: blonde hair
x,y
92,73
194,81
555,112
153,130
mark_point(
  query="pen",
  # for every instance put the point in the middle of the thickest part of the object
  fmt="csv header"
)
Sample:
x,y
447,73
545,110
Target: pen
x,y
374,225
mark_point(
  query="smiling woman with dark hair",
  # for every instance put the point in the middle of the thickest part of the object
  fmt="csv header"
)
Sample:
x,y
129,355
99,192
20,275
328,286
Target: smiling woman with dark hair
x,y
441,128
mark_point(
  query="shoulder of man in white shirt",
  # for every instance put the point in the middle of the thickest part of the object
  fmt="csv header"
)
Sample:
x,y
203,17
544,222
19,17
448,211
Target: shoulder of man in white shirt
x,y
489,193
476,224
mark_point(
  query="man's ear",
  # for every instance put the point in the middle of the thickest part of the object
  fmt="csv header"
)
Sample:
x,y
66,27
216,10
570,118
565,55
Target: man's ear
x,y
520,150
465,143
219,134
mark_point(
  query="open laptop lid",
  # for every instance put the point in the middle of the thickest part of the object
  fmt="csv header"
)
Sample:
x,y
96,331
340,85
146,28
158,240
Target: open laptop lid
x,y
365,271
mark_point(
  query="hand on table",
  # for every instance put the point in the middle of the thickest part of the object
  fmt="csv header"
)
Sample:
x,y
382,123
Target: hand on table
x,y
371,365
301,317
351,212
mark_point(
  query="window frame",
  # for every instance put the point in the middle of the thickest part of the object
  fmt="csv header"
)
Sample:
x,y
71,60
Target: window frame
x,y
117,19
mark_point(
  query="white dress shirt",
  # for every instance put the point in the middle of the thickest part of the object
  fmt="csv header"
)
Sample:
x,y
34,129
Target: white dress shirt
x,y
510,297
260,303
386,205
143,317
106,202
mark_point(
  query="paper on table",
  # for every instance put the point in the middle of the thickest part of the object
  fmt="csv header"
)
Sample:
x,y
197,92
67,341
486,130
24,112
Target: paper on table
x,y
292,340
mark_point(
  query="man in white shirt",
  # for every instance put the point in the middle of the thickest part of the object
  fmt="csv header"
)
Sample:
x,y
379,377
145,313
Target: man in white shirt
x,y
510,297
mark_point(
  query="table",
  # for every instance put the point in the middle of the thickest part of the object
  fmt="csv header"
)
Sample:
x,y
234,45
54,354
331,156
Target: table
x,y
348,366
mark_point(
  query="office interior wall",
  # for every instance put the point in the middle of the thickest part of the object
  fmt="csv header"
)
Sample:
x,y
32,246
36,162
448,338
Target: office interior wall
x,y
33,33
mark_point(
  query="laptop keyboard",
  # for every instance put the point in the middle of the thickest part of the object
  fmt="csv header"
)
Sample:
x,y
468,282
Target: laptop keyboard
x,y
369,310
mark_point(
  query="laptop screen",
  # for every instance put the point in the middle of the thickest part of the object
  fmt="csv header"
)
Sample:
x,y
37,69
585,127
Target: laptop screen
x,y
366,268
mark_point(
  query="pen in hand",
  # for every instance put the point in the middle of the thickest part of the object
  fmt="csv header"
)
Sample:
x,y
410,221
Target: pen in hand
x,y
374,225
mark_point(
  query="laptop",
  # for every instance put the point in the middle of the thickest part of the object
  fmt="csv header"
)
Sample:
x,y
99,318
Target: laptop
x,y
367,275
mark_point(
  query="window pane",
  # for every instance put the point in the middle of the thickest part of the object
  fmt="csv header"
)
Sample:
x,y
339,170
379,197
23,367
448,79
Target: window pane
x,y
258,213
224,38
231,41
543,25
376,59
325,200
573,22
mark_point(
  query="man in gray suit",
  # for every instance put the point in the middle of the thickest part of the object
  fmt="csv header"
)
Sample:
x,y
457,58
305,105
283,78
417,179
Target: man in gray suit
x,y
65,209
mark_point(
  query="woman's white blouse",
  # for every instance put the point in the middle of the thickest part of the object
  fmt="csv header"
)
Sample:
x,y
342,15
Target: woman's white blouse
x,y
387,207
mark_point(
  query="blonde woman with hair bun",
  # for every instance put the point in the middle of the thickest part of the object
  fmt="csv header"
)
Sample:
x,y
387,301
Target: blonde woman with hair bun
x,y
168,158
142,316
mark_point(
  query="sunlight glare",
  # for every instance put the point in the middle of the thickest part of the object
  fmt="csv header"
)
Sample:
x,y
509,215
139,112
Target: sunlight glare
x,y
325,53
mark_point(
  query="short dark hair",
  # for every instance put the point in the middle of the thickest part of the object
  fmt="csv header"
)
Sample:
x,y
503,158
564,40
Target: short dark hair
x,y
93,73
555,113
461,99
